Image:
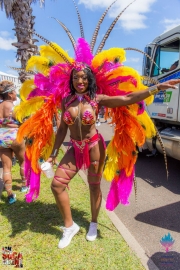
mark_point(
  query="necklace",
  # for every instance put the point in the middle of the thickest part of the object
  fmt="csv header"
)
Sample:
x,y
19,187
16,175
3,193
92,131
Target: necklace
x,y
80,97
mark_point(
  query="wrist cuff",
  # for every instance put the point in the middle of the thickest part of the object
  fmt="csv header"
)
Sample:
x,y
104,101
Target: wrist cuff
x,y
153,90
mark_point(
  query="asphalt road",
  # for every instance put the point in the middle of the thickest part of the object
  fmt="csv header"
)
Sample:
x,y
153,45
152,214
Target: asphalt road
x,y
157,211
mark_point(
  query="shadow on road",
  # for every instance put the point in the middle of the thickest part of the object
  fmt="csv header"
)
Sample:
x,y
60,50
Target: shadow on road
x,y
165,261
153,171
166,217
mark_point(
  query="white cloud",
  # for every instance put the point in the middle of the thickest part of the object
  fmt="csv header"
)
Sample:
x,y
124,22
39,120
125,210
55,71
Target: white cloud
x,y
133,17
5,41
170,23
4,33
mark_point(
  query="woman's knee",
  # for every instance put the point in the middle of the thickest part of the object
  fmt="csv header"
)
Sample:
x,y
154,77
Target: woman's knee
x,y
94,187
57,187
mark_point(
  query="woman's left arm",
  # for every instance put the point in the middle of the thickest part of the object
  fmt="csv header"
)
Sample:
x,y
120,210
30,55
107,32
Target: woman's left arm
x,y
134,97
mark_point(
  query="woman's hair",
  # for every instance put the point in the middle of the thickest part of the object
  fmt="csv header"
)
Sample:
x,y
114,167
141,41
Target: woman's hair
x,y
91,82
4,85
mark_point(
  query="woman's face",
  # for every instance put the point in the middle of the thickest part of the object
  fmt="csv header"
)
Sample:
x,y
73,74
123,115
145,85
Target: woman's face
x,y
80,81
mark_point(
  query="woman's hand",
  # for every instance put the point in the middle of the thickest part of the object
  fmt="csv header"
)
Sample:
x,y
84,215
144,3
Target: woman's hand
x,y
168,84
51,160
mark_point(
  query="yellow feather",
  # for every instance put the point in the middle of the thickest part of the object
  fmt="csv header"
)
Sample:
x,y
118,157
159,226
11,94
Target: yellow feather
x,y
26,89
46,151
38,63
109,55
149,100
144,120
50,53
28,107
147,124
112,162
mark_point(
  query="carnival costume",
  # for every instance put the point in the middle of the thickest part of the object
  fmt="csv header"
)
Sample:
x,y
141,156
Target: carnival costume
x,y
8,135
42,96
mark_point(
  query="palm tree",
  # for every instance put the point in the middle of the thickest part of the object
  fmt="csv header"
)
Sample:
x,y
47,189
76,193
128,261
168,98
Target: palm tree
x,y
21,12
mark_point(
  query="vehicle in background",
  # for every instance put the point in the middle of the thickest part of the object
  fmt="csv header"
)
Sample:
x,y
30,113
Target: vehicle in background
x,y
165,110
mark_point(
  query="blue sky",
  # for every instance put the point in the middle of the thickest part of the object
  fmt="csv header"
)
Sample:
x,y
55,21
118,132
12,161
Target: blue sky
x,y
138,25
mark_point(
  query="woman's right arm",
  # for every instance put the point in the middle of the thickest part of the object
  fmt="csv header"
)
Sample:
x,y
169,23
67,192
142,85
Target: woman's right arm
x,y
60,136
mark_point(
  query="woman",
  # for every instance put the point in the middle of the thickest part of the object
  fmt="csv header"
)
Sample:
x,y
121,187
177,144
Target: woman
x,y
79,113
8,145
80,86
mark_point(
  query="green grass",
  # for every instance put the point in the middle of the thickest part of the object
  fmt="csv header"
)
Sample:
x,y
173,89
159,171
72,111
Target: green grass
x,y
33,229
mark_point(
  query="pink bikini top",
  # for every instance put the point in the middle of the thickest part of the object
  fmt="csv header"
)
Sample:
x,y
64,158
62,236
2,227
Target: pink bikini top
x,y
87,118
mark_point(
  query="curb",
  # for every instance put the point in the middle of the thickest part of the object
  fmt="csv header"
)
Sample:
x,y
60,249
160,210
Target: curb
x,y
128,237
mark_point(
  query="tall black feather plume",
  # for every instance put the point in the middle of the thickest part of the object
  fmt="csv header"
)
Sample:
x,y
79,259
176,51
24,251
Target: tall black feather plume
x,y
151,80
137,50
110,29
47,42
22,70
67,31
79,19
94,37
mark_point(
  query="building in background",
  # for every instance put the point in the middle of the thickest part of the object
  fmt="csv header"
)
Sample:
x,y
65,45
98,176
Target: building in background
x,y
12,78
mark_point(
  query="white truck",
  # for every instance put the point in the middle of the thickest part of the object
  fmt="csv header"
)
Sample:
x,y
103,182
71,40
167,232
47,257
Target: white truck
x,y
165,110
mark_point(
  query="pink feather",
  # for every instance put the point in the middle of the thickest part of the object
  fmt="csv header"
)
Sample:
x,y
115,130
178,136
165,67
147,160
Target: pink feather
x,y
120,190
83,52
34,187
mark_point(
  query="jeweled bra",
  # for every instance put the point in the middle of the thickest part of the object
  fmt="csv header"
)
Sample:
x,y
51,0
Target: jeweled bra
x,y
87,118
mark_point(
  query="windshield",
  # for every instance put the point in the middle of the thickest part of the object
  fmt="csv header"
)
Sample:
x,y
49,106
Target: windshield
x,y
166,58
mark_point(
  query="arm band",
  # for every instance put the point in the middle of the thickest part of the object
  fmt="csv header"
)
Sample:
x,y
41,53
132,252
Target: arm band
x,y
153,90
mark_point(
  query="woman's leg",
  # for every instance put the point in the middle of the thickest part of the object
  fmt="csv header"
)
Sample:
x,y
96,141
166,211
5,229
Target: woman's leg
x,y
6,158
19,150
64,173
97,157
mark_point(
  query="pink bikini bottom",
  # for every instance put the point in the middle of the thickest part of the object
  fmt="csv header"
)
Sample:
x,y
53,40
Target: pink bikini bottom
x,y
81,149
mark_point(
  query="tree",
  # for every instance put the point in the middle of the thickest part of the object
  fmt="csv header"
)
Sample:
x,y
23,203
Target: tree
x,y
21,12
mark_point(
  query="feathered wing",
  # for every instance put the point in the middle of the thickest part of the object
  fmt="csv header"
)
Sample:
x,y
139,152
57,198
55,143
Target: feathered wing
x,y
132,123
38,134
41,98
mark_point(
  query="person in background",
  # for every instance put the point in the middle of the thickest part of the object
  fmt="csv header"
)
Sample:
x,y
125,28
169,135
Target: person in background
x,y
98,123
172,67
8,144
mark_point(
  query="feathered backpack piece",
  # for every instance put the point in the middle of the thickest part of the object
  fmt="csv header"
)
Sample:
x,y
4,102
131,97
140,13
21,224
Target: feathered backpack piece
x,y
43,95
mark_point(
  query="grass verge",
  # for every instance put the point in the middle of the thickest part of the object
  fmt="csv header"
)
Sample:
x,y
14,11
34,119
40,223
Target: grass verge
x,y
33,229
